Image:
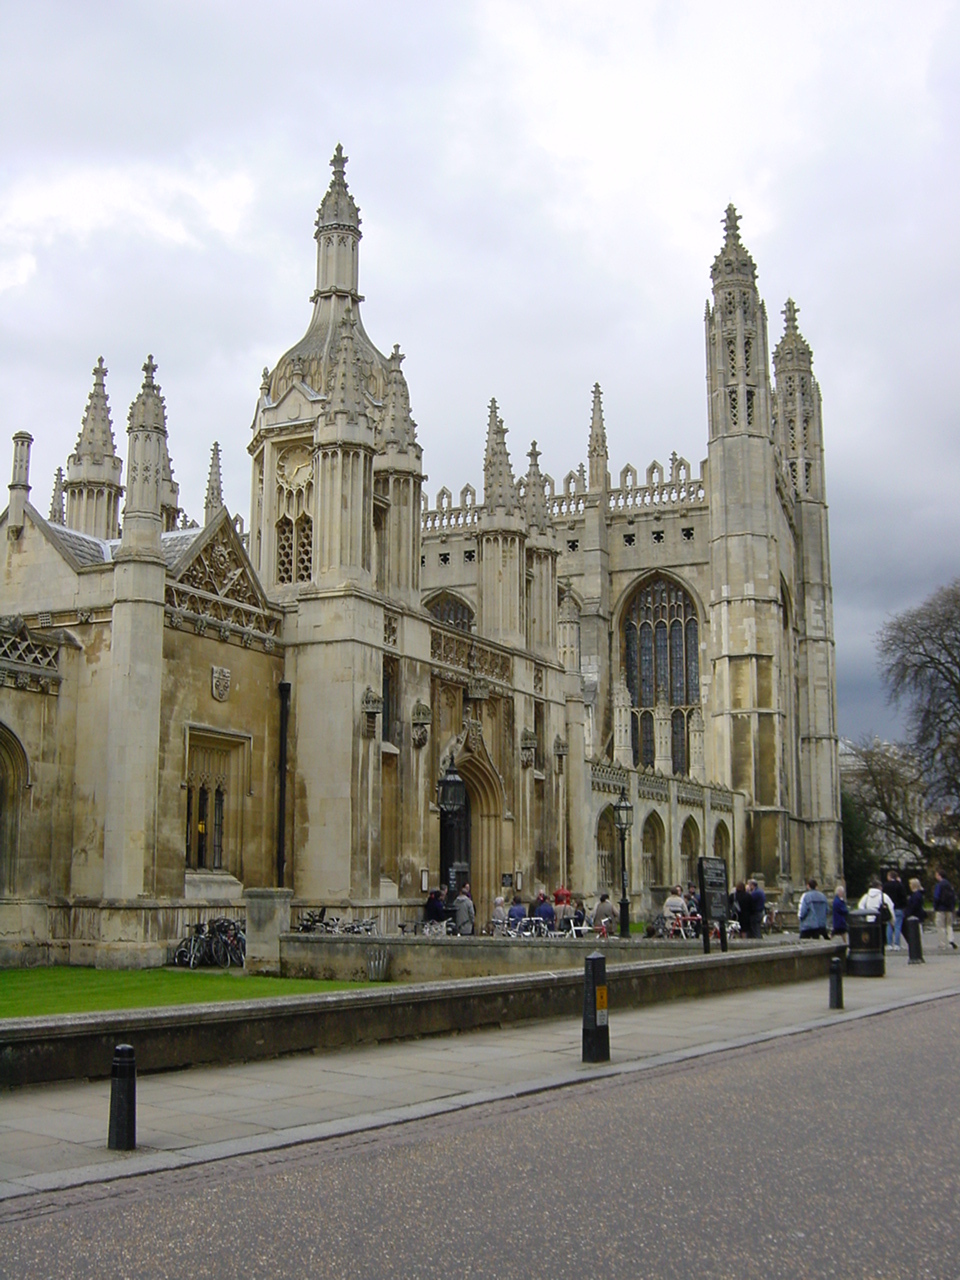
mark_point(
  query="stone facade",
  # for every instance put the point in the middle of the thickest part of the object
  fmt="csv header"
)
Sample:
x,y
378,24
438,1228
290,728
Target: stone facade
x,y
189,711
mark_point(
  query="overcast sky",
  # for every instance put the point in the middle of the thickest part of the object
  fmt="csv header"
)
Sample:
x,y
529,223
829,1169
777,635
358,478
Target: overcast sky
x,y
541,187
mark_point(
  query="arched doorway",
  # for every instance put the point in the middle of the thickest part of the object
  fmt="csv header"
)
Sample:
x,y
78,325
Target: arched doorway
x,y
606,851
455,848
653,846
721,845
14,775
689,850
482,834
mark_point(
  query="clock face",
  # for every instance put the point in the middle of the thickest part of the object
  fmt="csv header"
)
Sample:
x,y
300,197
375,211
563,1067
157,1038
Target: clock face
x,y
295,466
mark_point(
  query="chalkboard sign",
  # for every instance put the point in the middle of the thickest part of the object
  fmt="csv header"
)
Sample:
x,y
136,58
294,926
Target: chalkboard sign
x,y
714,893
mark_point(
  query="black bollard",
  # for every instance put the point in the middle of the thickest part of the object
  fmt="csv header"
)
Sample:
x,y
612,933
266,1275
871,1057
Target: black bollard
x,y
123,1100
914,935
596,1031
836,983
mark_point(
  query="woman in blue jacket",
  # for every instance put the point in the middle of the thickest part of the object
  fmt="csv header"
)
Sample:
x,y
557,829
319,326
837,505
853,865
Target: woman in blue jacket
x,y
840,910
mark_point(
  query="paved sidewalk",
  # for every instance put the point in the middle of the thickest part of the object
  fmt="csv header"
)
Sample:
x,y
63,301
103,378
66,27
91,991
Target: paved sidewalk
x,y
54,1136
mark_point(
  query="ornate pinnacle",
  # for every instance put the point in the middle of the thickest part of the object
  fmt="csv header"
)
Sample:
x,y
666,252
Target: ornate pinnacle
x,y
338,207
597,448
96,431
790,313
731,225
148,410
265,380
535,501
214,499
56,502
499,488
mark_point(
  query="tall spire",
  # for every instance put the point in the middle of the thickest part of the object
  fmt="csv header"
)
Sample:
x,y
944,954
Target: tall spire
x,y
94,470
398,427
338,207
346,393
535,497
597,449
499,487
56,501
96,432
733,260
214,499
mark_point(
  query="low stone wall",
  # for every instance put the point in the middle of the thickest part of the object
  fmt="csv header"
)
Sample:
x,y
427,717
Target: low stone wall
x,y
345,957
33,1050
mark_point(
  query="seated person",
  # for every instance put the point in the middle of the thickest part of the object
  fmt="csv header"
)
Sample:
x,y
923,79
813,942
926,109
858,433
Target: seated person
x,y
674,904
544,910
499,910
517,910
579,914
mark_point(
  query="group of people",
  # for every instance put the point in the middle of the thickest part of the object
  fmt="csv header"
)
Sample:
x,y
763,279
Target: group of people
x,y
894,902
463,912
748,906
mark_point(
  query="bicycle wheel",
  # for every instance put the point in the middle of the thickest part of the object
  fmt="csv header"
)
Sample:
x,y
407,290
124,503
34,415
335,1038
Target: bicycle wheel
x,y
220,954
182,955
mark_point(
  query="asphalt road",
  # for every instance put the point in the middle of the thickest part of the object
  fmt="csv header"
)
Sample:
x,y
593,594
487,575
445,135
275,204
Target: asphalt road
x,y
833,1153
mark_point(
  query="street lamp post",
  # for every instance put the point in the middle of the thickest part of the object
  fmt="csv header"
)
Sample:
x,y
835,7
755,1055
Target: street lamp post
x,y
623,820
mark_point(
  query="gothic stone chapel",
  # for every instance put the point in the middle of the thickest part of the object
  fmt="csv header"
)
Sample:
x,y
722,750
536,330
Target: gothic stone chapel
x,y
188,711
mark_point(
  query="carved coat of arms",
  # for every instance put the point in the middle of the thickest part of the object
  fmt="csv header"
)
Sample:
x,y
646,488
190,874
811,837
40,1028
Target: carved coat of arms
x,y
220,683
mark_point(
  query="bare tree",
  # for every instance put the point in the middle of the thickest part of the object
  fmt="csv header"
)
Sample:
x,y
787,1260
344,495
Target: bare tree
x,y
920,665
889,788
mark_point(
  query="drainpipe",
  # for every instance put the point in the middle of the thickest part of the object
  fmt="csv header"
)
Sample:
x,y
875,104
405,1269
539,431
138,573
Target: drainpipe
x,y
282,801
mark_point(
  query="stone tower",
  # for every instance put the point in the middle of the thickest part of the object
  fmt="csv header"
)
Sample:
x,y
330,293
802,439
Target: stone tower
x,y
398,481
92,487
136,656
500,544
745,603
799,434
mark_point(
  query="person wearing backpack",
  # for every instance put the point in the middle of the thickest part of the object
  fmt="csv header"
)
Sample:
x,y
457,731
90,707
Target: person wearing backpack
x,y
944,905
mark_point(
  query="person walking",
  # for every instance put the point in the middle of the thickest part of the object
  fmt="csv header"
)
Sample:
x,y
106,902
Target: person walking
x,y
813,912
944,905
840,910
915,908
877,902
464,911
758,905
604,911
744,908
893,888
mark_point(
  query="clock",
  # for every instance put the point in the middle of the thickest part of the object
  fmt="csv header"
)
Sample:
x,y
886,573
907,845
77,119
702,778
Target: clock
x,y
295,466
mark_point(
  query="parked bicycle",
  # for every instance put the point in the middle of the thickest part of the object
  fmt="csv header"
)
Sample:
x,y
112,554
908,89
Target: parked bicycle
x,y
221,942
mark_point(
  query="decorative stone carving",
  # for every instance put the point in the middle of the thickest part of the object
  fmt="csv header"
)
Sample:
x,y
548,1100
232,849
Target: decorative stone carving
x,y
391,627
371,705
420,718
477,690
528,748
560,746
538,679
220,683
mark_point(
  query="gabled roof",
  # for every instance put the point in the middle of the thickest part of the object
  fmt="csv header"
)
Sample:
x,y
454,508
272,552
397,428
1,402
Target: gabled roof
x,y
212,561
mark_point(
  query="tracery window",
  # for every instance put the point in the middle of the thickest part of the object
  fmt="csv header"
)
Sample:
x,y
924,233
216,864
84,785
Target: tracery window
x,y
215,788
661,653
451,610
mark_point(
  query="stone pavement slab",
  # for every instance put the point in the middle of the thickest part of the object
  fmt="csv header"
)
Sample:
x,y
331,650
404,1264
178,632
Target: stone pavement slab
x,y
54,1135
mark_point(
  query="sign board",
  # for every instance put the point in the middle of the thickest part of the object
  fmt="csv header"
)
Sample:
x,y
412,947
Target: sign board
x,y
714,891
506,880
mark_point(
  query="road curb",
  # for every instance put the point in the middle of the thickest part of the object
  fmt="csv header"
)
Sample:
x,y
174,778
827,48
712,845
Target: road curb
x,y
144,1163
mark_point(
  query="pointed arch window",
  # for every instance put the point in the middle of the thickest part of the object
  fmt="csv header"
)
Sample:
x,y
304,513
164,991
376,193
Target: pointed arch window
x,y
661,657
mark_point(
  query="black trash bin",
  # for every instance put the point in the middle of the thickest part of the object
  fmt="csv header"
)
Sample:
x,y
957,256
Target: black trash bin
x,y
865,958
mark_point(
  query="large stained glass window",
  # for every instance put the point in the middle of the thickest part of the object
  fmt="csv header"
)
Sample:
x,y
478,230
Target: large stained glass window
x,y
661,654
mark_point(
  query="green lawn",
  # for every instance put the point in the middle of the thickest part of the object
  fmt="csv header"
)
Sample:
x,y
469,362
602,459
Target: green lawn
x,y
28,993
